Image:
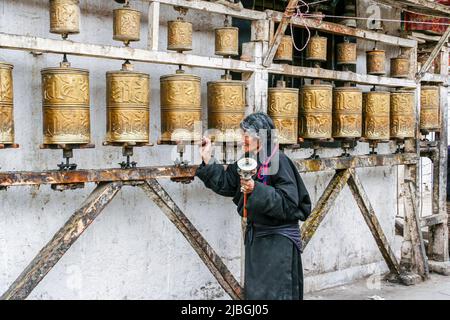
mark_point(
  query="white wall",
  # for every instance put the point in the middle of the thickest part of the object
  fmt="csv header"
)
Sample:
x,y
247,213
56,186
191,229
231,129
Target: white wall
x,y
132,251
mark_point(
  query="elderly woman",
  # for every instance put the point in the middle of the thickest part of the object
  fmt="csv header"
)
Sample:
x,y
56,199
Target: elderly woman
x,y
276,201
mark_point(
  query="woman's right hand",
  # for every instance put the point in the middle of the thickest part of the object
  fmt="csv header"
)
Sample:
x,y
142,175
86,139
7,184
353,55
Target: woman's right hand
x,y
206,150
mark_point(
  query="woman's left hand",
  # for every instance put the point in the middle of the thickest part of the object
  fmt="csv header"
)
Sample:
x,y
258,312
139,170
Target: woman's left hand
x,y
247,186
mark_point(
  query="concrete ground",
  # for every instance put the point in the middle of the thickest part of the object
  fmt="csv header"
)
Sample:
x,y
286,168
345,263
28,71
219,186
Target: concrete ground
x,y
374,288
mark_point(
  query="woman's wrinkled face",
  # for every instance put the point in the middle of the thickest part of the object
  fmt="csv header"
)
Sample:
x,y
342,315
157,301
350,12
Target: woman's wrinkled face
x,y
250,144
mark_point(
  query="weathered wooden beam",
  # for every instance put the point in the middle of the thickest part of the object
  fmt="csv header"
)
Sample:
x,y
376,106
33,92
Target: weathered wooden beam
x,y
211,259
432,220
368,213
31,43
217,8
62,241
340,29
348,76
153,25
284,21
324,205
421,6
434,54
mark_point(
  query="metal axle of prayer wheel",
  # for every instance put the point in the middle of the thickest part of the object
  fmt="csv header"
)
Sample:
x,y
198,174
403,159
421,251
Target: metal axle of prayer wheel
x,y
315,114
285,51
400,67
347,115
376,62
181,110
66,110
376,109
128,110
226,40
6,106
316,50
429,109
179,34
283,109
403,116
64,17
126,24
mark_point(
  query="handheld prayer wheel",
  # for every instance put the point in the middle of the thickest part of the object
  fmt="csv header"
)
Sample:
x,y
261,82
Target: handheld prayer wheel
x,y
283,109
347,112
375,60
226,108
285,49
400,67
376,107
6,104
403,115
316,49
179,35
227,41
126,25
315,111
180,107
65,94
64,17
127,105
346,53
429,109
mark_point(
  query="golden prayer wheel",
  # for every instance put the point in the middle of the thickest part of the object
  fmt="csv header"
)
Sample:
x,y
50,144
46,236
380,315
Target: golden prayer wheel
x,y
400,67
316,49
180,107
126,25
403,115
346,53
376,107
347,112
375,60
179,35
65,94
315,111
226,108
227,41
64,17
6,104
283,109
127,105
429,109
285,49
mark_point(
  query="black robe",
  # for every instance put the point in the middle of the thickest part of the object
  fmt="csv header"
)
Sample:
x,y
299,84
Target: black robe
x,y
273,267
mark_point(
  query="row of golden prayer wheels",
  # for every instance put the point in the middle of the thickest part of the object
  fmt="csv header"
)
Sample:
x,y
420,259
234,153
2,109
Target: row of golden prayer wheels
x,y
316,111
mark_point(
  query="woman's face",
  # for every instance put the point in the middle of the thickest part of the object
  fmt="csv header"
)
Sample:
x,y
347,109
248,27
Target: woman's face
x,y
250,144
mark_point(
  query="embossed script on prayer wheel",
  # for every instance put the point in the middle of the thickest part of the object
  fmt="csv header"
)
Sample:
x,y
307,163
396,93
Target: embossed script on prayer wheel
x,y
6,104
347,112
375,60
376,106
65,93
283,109
64,17
429,109
180,107
127,25
127,104
400,67
226,109
285,49
315,111
179,35
403,118
227,41
346,53
316,49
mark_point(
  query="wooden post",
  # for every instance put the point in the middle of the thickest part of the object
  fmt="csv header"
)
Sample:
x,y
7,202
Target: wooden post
x,y
153,25
62,241
372,222
324,204
209,257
